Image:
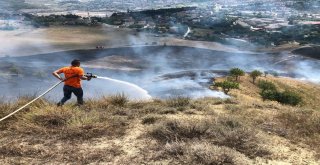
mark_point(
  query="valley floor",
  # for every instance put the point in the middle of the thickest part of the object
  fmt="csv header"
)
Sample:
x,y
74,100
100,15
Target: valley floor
x,y
54,39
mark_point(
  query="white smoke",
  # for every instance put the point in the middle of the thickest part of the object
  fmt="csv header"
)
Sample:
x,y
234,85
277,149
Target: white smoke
x,y
183,87
309,71
162,61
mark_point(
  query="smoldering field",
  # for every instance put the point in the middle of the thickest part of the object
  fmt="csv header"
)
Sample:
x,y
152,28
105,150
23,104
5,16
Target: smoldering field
x,y
164,66
163,71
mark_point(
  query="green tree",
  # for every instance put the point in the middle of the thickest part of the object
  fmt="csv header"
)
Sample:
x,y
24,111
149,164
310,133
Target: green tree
x,y
266,86
227,86
236,72
254,75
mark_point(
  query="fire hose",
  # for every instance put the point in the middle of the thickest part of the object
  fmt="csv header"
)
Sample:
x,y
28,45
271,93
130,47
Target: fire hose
x,y
89,75
50,89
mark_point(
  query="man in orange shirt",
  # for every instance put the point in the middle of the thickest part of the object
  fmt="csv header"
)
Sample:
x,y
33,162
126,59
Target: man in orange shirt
x,y
72,82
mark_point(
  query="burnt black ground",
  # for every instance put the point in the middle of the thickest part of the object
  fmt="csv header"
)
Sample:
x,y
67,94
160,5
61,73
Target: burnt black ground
x,y
152,62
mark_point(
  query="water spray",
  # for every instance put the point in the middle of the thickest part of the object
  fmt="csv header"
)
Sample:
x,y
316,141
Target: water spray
x,y
141,91
130,85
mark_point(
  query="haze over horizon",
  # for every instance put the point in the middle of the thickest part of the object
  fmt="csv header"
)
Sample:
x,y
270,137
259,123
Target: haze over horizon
x,y
123,5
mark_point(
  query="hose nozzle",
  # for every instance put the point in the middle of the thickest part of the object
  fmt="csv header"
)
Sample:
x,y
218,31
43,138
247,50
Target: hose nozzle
x,y
90,75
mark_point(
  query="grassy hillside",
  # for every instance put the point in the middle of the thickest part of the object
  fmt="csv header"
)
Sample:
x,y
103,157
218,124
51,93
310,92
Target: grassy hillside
x,y
112,130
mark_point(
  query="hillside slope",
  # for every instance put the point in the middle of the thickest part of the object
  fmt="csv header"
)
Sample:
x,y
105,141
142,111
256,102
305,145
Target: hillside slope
x,y
111,130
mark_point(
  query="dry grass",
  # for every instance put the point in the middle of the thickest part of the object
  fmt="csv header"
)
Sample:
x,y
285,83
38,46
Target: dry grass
x,y
70,123
114,130
233,133
300,126
221,131
150,119
173,130
58,155
203,153
179,101
118,100
300,123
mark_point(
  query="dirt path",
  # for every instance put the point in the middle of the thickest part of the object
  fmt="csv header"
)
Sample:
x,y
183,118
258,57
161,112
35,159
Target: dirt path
x,y
130,145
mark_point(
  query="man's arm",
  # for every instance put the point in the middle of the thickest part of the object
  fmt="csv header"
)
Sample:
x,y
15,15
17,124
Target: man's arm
x,y
83,77
56,74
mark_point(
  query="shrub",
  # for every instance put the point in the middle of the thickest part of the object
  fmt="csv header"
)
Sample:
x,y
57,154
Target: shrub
x,y
168,111
269,95
269,92
230,132
227,86
204,153
232,107
4,111
254,75
286,97
51,119
266,85
175,148
172,130
179,101
289,97
118,100
150,119
121,112
81,128
236,72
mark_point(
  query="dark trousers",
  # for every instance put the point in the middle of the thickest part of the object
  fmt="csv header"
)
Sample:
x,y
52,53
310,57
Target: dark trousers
x,y
67,92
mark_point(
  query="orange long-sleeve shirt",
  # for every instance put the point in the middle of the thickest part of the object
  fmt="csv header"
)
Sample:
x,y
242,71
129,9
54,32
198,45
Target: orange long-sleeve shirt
x,y
73,75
